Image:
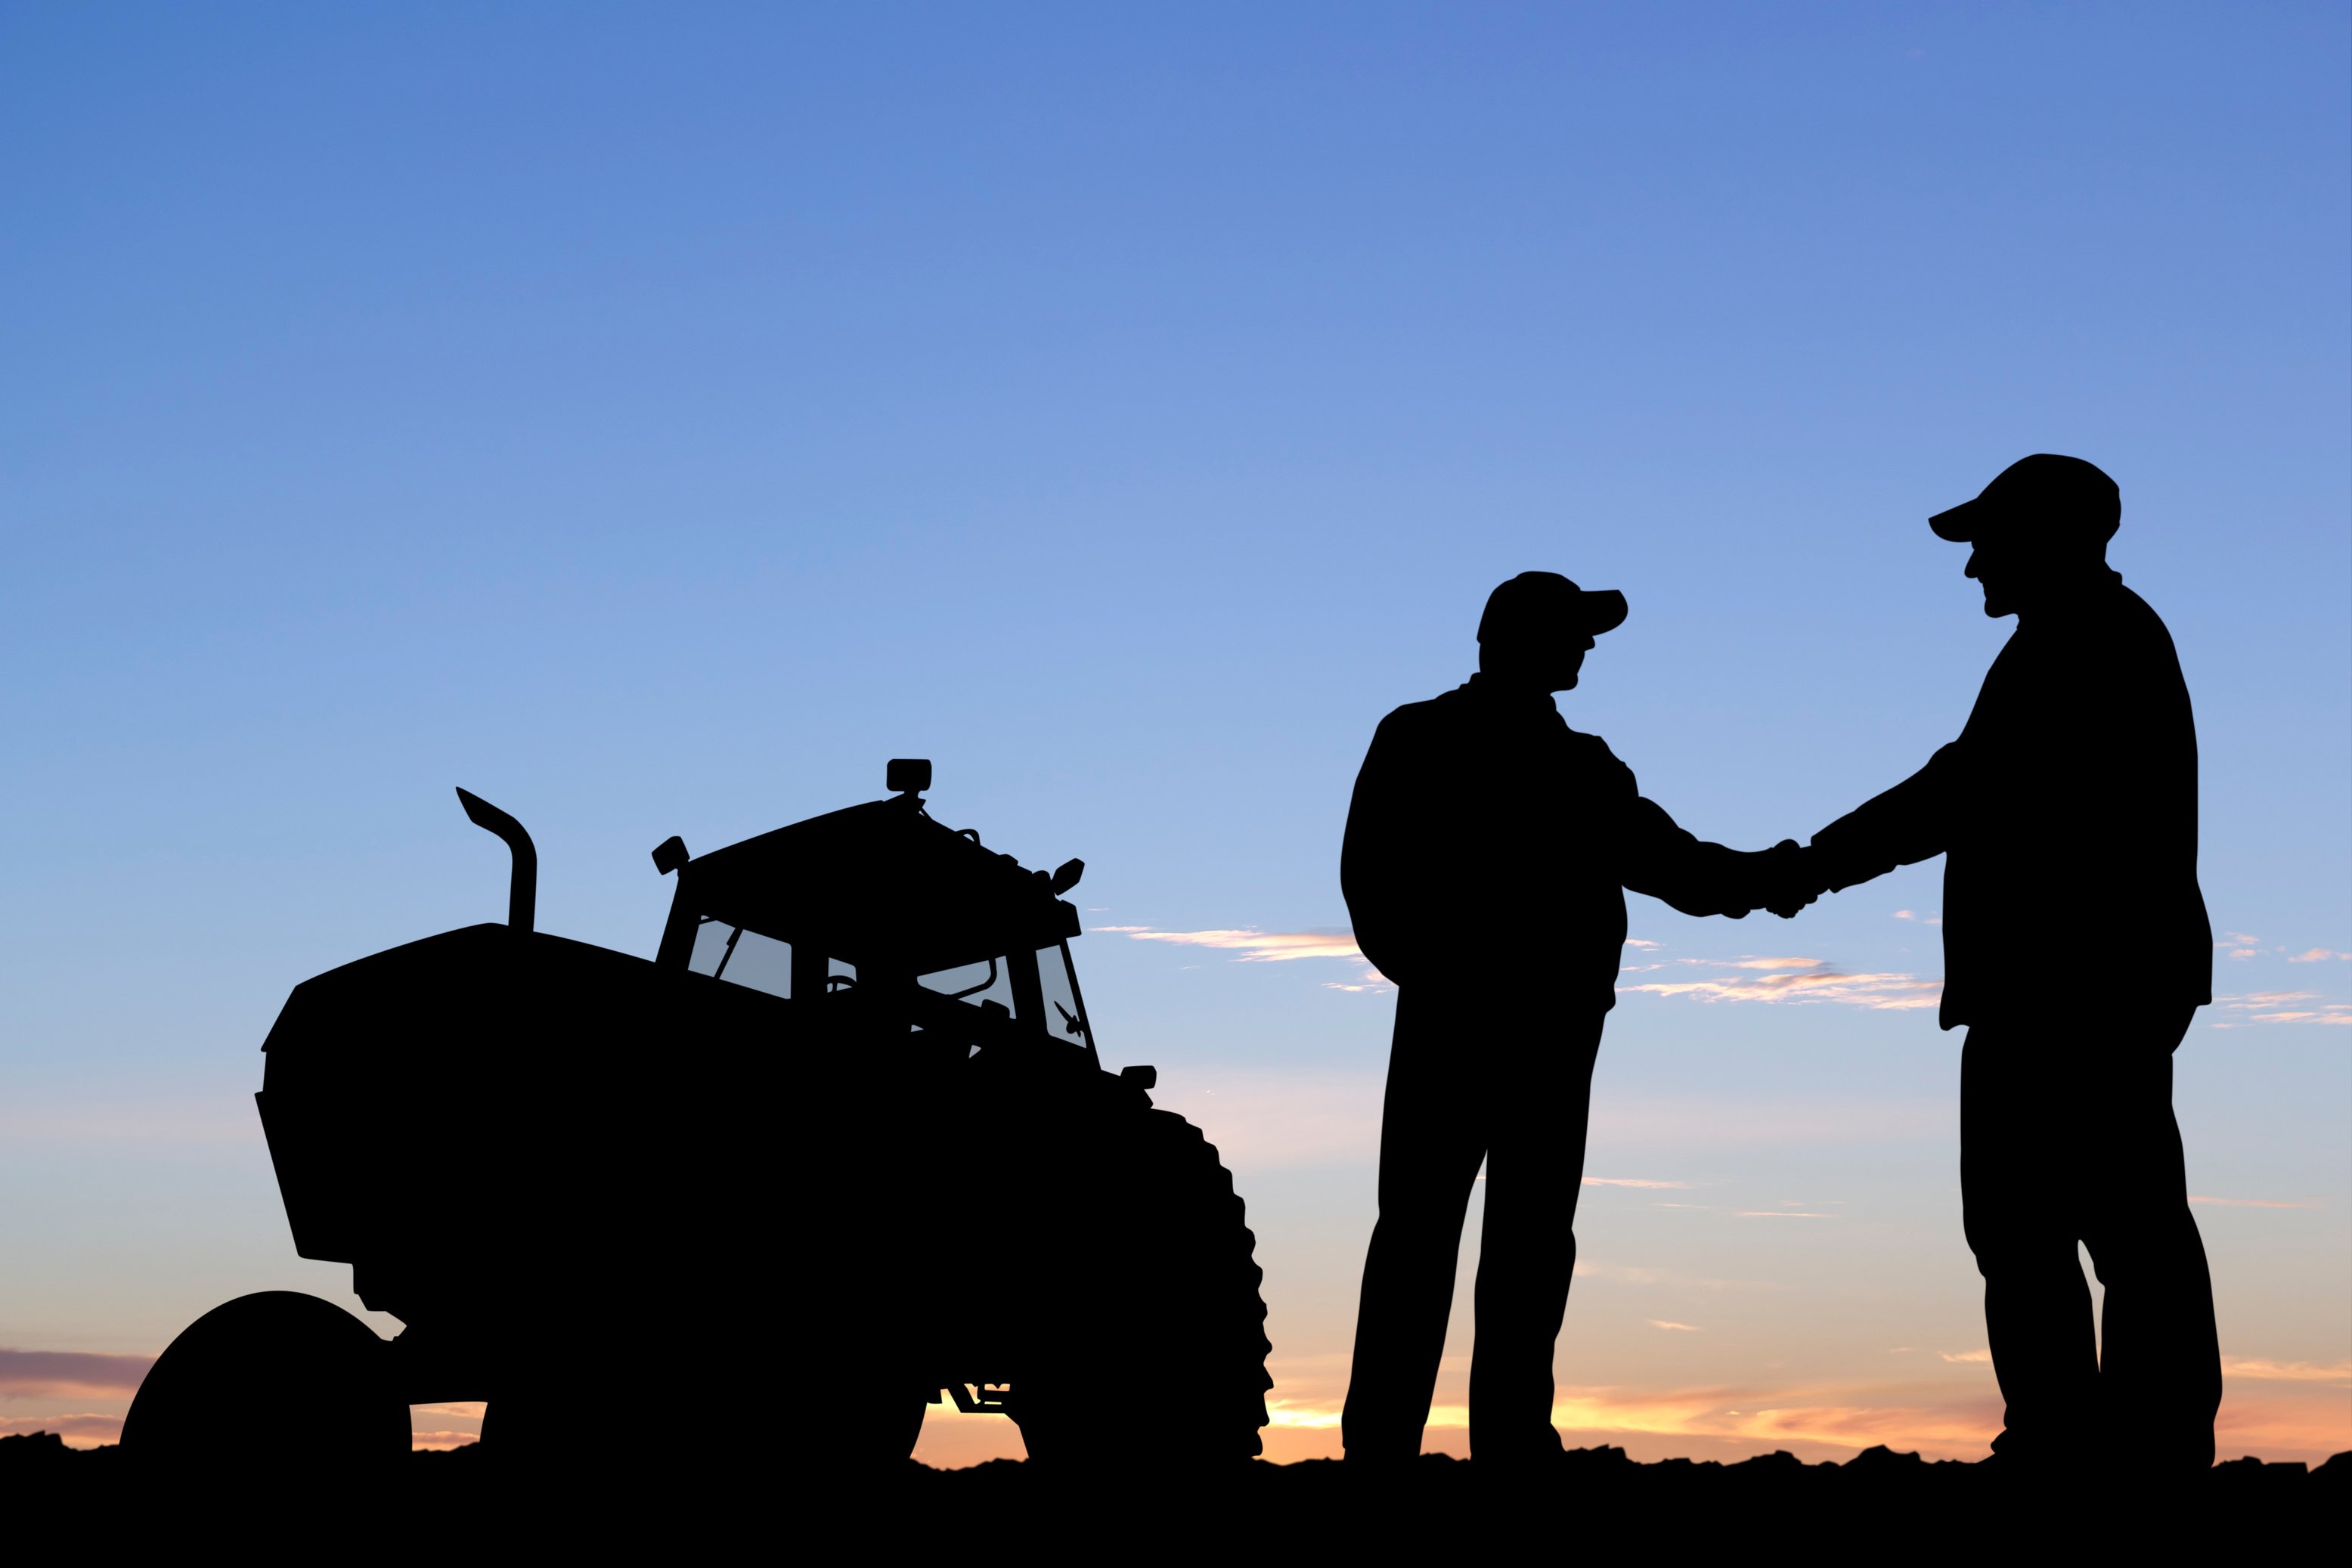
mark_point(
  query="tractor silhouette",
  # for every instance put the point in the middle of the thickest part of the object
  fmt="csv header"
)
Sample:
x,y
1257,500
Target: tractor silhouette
x,y
845,1144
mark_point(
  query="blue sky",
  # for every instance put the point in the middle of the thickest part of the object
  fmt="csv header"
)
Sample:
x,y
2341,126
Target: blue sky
x,y
653,418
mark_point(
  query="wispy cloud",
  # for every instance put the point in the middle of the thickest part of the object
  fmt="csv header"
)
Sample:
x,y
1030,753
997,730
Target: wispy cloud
x,y
1256,946
1631,1182
1250,945
2280,1007
56,1374
2318,955
441,1441
1833,1417
1781,1214
2246,1203
1283,1413
1916,915
1680,1328
1795,979
1944,1414
2287,1371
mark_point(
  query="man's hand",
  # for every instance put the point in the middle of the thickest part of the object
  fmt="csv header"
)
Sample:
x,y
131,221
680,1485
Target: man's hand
x,y
1791,880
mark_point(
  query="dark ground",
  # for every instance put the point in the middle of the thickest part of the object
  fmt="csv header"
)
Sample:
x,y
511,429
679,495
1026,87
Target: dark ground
x,y
1879,1502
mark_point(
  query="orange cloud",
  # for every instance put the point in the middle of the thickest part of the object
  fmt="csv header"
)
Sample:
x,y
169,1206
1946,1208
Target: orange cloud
x,y
1836,1416
1662,1324
441,1441
1253,946
1259,946
2287,1371
56,1374
2279,1008
1797,979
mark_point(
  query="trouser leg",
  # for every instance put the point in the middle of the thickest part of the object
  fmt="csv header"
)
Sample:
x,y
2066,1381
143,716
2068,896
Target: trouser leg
x,y
2018,1203
1534,1169
2160,1362
1430,1150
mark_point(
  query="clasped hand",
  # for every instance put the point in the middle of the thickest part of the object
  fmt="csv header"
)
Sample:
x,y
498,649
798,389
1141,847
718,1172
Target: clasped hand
x,y
1781,879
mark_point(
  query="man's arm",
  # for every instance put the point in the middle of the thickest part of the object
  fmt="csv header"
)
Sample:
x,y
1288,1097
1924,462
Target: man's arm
x,y
1668,861
1659,857
1909,823
1384,873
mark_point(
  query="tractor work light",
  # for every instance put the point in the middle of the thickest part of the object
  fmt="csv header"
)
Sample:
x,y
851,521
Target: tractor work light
x,y
908,775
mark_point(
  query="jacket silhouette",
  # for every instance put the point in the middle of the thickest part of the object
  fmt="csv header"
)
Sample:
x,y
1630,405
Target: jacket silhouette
x,y
2072,787
1489,849
1481,811
2070,795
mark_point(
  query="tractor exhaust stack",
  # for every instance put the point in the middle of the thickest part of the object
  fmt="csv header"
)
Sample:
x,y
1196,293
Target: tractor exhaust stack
x,y
523,888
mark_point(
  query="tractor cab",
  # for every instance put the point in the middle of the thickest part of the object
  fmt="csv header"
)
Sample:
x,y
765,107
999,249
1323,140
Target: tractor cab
x,y
883,911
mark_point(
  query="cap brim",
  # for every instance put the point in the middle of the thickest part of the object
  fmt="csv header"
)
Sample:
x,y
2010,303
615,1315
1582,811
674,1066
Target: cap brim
x,y
1604,610
1960,524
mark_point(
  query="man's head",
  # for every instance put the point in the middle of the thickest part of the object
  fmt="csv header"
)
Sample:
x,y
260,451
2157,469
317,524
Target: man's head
x,y
1540,626
2042,523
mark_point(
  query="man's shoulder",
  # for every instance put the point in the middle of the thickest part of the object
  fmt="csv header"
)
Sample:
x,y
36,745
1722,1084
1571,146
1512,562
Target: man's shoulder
x,y
1428,714
2125,635
2138,619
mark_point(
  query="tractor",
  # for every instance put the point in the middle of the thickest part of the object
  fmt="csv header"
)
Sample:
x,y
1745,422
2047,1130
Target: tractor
x,y
845,1147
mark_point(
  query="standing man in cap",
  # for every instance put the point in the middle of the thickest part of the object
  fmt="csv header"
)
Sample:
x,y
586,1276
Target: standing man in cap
x,y
1488,853
2073,789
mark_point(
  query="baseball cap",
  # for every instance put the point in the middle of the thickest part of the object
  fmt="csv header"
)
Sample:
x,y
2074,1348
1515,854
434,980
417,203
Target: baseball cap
x,y
2044,492
1547,602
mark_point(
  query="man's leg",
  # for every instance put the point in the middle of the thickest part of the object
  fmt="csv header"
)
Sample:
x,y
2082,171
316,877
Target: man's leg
x,y
1535,1168
2020,1125
2160,1362
1430,1150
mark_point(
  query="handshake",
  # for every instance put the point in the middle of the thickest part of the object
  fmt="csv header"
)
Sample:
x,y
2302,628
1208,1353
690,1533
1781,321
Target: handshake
x,y
1784,879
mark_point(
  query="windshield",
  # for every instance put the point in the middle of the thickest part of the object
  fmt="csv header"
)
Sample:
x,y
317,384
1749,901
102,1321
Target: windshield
x,y
1066,1010
973,983
745,957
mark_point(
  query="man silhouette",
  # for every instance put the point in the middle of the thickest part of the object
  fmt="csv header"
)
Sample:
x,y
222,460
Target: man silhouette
x,y
1488,847
2071,792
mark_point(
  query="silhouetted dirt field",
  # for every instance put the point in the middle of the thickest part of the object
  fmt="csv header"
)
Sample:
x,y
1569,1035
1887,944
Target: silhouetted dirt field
x,y
1880,1501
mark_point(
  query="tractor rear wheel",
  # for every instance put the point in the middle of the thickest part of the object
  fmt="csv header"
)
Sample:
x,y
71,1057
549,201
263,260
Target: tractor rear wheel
x,y
1156,1353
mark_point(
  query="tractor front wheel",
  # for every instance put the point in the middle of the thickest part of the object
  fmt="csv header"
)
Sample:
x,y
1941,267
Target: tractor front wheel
x,y
277,1375
1156,1353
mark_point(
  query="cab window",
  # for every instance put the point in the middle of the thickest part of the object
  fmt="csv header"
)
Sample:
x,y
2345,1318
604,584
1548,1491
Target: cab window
x,y
743,957
1065,1011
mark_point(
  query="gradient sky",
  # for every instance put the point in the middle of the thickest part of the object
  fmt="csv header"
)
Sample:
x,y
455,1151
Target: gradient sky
x,y
654,418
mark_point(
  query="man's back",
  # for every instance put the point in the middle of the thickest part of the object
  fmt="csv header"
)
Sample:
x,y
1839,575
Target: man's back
x,y
2080,794
2072,792
1482,824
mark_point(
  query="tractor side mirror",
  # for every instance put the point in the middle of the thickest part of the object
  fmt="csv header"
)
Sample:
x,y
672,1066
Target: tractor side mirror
x,y
1066,876
908,775
669,855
